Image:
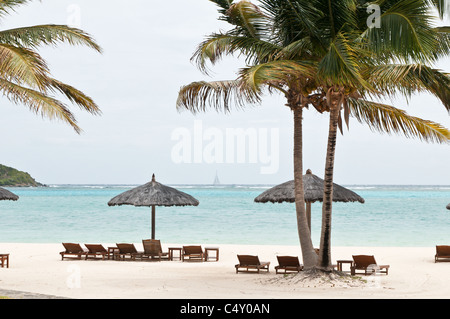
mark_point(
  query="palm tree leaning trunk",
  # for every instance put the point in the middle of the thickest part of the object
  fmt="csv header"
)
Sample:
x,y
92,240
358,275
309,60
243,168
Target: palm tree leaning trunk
x,y
304,233
324,262
381,117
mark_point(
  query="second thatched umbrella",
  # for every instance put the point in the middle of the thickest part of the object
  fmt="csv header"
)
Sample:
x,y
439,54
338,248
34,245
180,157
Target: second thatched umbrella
x,y
153,194
313,188
7,195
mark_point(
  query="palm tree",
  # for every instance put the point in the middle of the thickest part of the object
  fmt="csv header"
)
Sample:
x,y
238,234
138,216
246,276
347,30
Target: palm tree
x,y
24,75
271,55
405,35
286,44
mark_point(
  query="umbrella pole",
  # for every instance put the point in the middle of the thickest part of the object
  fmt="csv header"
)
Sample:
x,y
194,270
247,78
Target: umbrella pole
x,y
153,221
308,214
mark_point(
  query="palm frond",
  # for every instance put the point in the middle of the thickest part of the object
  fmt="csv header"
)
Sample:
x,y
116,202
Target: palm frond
x,y
23,66
50,34
249,19
442,6
444,29
218,45
339,14
388,119
442,35
301,49
38,102
219,95
224,5
74,95
341,65
7,6
408,79
24,74
285,72
406,32
293,20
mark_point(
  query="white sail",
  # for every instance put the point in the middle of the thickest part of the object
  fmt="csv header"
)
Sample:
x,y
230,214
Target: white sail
x,y
216,180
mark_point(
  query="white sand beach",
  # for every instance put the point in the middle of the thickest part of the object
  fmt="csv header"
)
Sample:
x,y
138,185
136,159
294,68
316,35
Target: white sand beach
x,y
38,268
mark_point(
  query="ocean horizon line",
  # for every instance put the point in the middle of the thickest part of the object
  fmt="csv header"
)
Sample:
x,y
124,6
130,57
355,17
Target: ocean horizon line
x,y
234,185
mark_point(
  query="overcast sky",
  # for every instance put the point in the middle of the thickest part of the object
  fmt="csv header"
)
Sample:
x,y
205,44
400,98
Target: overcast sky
x,y
147,50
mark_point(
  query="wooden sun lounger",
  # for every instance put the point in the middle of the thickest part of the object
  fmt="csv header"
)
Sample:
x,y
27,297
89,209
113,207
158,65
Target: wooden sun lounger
x,y
288,264
368,264
152,248
127,250
251,262
193,252
4,260
96,250
442,252
74,250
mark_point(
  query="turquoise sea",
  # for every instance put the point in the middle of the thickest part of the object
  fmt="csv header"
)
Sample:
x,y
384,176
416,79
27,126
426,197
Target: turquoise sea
x,y
391,216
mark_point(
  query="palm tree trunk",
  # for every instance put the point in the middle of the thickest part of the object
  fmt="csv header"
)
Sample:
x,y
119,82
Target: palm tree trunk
x,y
304,234
325,238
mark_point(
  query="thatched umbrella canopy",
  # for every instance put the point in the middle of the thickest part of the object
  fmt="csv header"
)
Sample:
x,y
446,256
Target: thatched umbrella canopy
x,y
153,194
448,206
7,195
313,188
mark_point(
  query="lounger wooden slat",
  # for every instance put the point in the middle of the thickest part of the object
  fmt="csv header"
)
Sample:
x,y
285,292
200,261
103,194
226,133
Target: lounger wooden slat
x,y
368,264
193,253
288,264
442,253
73,251
249,262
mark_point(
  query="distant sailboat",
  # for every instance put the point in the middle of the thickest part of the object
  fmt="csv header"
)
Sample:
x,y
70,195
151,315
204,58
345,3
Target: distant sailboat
x,y
216,180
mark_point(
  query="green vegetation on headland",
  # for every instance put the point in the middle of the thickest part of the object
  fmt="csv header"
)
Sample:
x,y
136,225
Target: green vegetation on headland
x,y
14,178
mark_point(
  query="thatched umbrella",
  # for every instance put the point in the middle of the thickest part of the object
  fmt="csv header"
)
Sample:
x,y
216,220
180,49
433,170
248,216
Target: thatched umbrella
x,y
313,188
448,206
7,195
153,194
